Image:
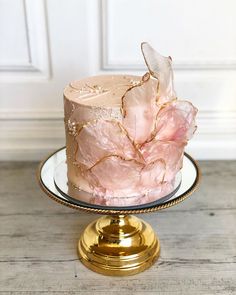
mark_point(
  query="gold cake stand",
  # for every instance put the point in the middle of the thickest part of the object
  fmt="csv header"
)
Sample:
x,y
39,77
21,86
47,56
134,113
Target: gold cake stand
x,y
118,243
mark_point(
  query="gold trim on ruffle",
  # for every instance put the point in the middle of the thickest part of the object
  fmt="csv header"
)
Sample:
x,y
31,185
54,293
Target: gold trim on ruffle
x,y
144,79
117,156
122,129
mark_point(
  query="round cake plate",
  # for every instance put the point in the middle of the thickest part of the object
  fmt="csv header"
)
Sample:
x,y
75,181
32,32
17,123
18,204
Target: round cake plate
x,y
117,244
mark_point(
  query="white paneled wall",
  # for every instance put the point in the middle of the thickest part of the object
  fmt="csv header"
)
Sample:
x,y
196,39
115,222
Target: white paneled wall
x,y
23,45
46,44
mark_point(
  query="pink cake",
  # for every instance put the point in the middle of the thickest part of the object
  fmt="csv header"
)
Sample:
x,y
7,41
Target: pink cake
x,y
125,135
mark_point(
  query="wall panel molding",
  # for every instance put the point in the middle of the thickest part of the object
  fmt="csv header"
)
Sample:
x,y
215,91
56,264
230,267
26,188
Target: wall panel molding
x,y
114,62
38,62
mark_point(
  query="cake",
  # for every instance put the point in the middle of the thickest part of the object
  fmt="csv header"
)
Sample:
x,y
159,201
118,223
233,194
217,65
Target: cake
x,y
125,134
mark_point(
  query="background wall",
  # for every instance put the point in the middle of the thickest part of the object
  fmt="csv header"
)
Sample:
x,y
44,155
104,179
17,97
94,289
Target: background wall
x,y
46,44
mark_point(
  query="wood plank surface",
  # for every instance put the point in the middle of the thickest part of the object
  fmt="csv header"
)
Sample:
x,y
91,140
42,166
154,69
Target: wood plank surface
x,y
38,239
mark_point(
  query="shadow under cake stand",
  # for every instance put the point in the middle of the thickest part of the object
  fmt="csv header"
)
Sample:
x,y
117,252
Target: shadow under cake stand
x,y
118,243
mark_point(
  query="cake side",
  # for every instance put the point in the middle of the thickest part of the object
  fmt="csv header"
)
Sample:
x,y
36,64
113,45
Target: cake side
x,y
86,101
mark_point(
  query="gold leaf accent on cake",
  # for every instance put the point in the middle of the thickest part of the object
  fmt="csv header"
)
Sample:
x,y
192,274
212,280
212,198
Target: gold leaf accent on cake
x,y
89,89
82,90
97,89
134,82
72,128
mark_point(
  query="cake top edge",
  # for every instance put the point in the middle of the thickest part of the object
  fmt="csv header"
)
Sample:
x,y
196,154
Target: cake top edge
x,y
108,90
101,90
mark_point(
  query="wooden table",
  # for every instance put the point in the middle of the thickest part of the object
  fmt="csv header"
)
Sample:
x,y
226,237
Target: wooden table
x,y
38,240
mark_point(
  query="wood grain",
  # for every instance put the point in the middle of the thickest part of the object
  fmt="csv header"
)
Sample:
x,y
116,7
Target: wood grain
x,y
38,240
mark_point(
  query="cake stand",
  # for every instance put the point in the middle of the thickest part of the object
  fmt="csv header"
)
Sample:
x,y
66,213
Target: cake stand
x,y
118,243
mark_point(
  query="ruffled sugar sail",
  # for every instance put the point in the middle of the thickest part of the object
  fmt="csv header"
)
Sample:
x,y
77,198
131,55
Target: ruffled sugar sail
x,y
170,152
181,125
102,138
160,67
139,109
123,178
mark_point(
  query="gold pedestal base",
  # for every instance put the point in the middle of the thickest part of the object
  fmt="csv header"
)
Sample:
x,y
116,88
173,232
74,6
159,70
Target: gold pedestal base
x,y
118,245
